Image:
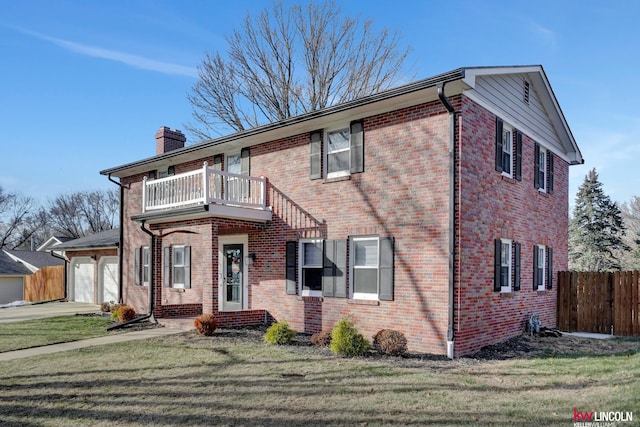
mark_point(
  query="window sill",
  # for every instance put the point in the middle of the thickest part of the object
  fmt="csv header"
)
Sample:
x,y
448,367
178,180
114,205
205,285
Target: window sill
x,y
318,298
363,302
508,294
543,193
508,179
176,289
337,179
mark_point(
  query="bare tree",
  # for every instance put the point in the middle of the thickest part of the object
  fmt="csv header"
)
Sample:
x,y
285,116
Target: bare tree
x,y
82,213
631,218
16,219
284,62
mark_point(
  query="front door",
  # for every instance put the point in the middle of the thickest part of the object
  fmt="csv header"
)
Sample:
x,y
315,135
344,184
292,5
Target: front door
x,y
232,270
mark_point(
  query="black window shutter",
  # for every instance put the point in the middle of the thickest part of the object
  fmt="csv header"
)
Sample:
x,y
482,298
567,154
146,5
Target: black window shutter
x,y
549,268
328,268
497,283
535,268
357,147
385,270
499,166
217,162
291,257
536,164
516,266
316,155
518,156
138,273
340,290
245,162
166,266
187,266
550,172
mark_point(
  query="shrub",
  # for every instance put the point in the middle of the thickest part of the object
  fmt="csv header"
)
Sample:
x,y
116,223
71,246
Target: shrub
x,y
390,342
347,341
205,324
321,339
126,313
114,311
279,333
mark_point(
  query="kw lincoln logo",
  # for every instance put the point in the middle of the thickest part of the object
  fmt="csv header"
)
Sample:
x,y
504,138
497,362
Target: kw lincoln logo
x,y
600,418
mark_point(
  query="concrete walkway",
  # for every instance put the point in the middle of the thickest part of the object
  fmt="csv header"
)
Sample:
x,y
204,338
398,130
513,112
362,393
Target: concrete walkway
x,y
74,345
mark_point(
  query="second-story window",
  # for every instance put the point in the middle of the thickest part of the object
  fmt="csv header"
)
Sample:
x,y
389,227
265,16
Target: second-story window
x,y
337,152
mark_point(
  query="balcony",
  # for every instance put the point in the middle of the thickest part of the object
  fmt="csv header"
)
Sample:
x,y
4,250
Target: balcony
x,y
217,193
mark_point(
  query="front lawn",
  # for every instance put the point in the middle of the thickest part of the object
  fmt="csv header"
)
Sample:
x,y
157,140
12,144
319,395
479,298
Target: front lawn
x,y
190,380
53,330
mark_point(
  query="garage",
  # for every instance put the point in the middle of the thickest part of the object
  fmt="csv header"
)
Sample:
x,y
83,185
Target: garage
x,y
108,279
81,286
11,289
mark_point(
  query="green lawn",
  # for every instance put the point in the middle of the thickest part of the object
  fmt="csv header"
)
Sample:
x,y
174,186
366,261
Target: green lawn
x,y
35,333
190,380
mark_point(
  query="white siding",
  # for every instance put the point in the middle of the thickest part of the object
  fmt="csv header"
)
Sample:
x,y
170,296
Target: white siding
x,y
506,92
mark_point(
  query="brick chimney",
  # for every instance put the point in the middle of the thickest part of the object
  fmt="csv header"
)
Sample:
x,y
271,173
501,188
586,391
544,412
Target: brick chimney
x,y
169,140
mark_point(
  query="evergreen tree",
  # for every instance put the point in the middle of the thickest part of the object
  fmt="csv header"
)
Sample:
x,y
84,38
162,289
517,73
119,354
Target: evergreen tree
x,y
596,229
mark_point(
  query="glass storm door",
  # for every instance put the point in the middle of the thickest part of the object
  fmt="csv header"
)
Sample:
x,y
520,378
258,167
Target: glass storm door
x,y
232,283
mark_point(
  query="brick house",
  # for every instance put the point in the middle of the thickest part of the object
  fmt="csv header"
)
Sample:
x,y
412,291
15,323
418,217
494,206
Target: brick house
x,y
438,208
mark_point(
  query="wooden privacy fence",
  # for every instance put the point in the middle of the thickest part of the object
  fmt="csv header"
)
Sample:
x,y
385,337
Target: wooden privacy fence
x,y
600,302
45,284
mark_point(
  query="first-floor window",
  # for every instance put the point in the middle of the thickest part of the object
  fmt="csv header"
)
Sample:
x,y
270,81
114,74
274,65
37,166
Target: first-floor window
x,y
145,265
176,266
365,267
141,266
311,257
542,267
507,266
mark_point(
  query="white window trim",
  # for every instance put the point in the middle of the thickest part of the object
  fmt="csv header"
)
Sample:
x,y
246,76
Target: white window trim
x,y
542,259
542,185
174,284
509,287
301,266
509,128
352,267
342,173
146,263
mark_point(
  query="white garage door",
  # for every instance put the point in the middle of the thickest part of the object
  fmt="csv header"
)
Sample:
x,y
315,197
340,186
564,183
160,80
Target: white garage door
x,y
82,280
108,279
11,289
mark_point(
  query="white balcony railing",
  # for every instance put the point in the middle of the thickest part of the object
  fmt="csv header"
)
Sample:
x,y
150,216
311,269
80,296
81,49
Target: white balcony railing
x,y
204,186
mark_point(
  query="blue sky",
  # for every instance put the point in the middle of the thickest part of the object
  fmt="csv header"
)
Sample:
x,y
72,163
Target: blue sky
x,y
84,85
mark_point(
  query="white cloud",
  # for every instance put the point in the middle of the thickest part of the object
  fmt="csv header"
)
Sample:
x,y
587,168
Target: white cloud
x,y
117,56
544,34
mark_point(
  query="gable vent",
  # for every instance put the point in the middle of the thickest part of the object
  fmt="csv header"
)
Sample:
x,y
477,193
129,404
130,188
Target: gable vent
x,y
525,95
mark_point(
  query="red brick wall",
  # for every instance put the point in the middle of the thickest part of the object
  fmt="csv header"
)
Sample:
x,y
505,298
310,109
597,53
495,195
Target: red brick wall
x,y
404,193
494,207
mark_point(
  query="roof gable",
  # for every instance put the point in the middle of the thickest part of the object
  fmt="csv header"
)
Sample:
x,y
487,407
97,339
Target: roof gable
x,y
11,267
501,91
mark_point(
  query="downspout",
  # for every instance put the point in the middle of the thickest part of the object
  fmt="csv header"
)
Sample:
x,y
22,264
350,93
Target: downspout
x,y
151,282
120,243
452,216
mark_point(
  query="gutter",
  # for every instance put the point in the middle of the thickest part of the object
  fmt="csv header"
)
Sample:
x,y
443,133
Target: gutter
x,y
120,247
152,282
452,216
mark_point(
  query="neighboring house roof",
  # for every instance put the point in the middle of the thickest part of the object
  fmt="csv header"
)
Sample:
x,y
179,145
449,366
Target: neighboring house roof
x,y
52,241
472,81
104,239
10,267
34,260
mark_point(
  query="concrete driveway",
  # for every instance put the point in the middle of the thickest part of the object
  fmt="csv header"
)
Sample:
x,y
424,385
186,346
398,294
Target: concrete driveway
x,y
41,311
